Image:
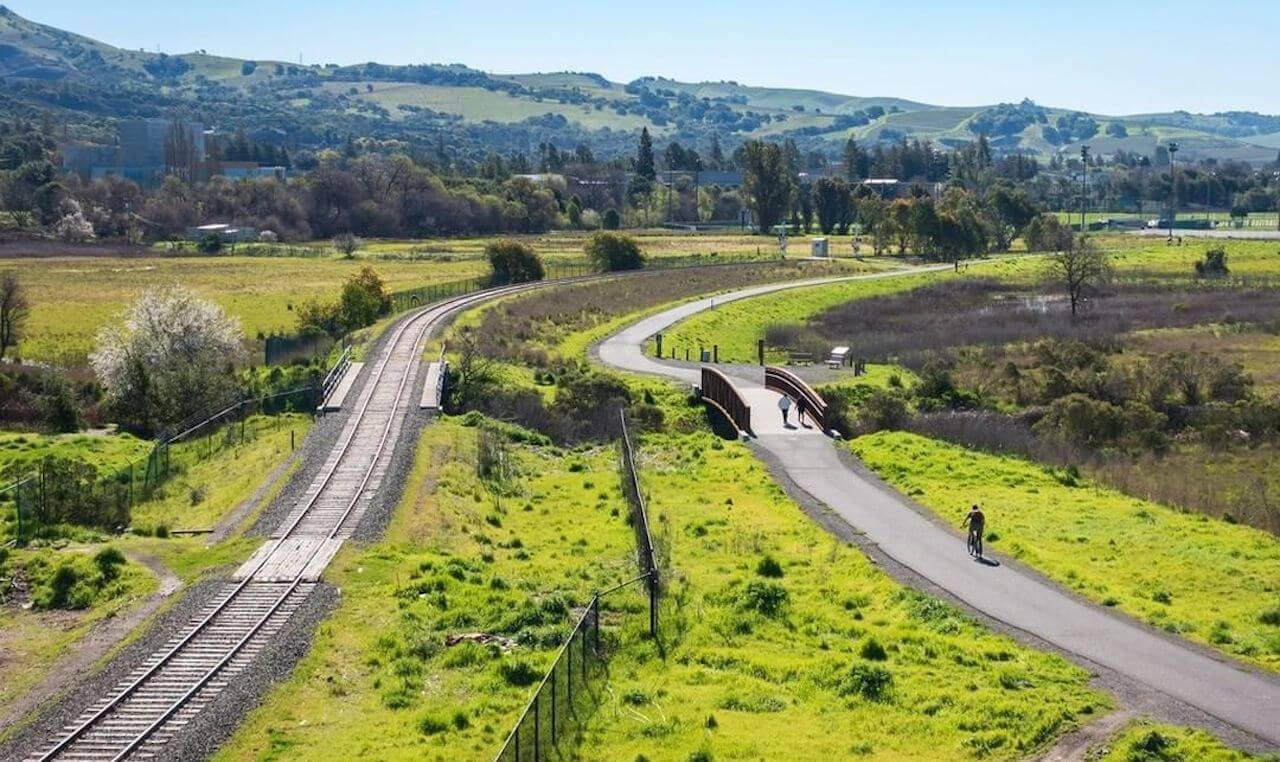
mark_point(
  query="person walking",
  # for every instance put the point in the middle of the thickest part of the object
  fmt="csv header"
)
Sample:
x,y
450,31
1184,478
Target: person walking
x,y
784,404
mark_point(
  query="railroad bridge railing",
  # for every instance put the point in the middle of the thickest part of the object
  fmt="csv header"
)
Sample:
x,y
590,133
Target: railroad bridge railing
x,y
785,382
720,393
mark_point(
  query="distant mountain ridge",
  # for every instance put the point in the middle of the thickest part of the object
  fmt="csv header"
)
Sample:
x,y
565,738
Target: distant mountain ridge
x,y
77,81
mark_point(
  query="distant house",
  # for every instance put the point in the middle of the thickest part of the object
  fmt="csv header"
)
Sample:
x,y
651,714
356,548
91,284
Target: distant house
x,y
722,178
227,233
893,188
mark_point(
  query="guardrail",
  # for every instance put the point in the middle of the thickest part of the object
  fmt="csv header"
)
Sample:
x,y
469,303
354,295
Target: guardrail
x,y
720,393
785,382
334,376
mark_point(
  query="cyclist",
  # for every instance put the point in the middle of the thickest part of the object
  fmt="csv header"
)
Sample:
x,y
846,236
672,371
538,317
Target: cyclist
x,y
975,522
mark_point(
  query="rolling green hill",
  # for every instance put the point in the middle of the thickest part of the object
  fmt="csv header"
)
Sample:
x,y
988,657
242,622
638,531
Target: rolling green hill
x,y
51,73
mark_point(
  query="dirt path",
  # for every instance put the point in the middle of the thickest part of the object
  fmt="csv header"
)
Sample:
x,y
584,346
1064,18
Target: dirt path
x,y
1075,746
96,644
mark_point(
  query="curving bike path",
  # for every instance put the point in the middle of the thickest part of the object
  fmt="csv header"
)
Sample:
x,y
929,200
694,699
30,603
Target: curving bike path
x,y
1239,696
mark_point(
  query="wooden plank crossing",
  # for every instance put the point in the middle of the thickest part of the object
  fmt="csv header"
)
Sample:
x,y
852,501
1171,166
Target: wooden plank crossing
x,y
288,559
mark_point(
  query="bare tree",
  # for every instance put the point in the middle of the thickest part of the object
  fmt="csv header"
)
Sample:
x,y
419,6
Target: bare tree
x,y
1080,266
348,244
474,375
14,311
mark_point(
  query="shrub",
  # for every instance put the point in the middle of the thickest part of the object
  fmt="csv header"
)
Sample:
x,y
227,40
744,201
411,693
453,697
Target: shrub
x,y
768,598
769,567
1270,616
612,220
1214,264
612,252
108,561
883,410
871,650
431,725
514,262
518,672
868,681
210,243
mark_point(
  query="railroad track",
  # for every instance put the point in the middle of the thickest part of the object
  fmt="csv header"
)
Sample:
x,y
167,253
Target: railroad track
x,y
163,694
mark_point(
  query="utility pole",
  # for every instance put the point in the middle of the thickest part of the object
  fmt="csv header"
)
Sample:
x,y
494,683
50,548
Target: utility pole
x,y
1173,186
1084,186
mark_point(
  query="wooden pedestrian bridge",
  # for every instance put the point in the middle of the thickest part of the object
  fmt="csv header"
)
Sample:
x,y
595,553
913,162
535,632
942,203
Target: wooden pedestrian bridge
x,y
751,407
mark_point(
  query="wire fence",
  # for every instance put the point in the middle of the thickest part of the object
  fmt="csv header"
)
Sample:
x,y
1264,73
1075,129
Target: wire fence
x,y
56,491
571,688
646,550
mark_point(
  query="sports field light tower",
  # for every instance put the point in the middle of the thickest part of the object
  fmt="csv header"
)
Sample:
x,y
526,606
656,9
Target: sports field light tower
x,y
1084,186
1173,186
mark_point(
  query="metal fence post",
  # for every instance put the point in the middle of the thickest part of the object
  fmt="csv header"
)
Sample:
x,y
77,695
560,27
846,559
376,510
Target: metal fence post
x,y
17,505
653,603
537,734
553,705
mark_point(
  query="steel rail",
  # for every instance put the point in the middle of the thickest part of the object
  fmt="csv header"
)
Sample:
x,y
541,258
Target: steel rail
x,y
434,312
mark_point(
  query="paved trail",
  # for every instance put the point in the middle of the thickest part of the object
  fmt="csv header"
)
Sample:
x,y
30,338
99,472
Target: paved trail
x,y
1241,697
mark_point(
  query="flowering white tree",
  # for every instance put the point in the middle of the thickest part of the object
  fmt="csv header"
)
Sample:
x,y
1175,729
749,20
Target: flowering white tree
x,y
174,355
72,225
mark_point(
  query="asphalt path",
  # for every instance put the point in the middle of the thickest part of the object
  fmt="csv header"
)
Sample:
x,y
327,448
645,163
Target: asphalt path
x,y
1238,695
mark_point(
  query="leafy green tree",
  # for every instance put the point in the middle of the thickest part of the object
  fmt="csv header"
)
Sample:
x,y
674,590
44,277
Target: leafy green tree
x,y
1046,232
612,252
514,262
364,299
766,182
612,220
833,203
1009,212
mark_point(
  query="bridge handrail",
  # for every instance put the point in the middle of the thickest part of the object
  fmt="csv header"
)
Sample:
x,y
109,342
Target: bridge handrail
x,y
718,391
785,382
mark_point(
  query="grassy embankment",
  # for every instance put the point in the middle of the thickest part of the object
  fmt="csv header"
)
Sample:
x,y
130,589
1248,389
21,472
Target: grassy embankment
x,y
462,555
1144,742
804,666
782,637
1208,580
33,639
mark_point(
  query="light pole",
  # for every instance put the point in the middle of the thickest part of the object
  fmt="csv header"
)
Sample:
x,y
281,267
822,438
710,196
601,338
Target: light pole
x,y
1084,186
1173,187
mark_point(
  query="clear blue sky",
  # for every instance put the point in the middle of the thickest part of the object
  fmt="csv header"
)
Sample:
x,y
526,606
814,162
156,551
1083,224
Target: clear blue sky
x,y
1117,56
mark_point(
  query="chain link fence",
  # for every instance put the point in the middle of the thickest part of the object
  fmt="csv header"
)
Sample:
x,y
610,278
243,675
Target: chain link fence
x,y
57,491
571,688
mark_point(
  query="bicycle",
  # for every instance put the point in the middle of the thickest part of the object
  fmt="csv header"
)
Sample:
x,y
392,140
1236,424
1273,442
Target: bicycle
x,y
975,543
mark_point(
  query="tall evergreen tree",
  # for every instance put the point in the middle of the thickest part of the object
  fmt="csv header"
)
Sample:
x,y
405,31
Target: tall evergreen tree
x,y
767,182
644,157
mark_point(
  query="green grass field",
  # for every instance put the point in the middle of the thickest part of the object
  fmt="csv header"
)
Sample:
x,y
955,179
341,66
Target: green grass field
x,y
73,298
751,683
1207,580
19,452
457,558
378,682
33,641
